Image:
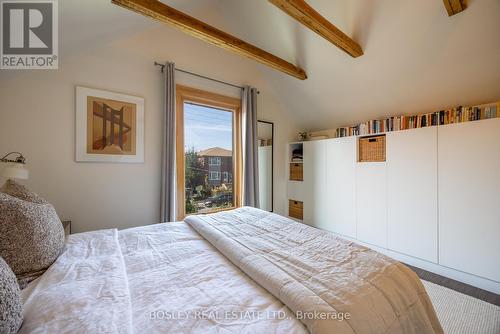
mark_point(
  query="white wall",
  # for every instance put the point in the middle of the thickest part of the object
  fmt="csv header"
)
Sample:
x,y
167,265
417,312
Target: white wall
x,y
265,180
37,118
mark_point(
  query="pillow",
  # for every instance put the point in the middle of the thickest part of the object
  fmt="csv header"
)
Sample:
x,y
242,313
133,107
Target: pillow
x,y
31,234
11,307
18,190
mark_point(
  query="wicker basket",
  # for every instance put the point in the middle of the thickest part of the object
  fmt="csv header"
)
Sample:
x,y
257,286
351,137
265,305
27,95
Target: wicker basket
x,y
296,172
296,209
372,149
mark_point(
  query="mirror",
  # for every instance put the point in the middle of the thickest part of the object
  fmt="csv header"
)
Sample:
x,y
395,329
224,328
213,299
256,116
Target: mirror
x,y
265,135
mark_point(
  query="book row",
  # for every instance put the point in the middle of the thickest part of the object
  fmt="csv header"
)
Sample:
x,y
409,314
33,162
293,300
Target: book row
x,y
443,117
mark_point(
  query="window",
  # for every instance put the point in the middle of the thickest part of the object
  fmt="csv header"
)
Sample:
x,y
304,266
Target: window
x,y
214,161
208,152
214,176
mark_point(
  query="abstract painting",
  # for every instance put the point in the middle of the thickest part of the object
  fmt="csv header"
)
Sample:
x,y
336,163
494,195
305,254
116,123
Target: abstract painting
x,y
110,126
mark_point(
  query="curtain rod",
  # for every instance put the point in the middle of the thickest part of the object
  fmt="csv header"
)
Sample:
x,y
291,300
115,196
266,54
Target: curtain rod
x,y
201,76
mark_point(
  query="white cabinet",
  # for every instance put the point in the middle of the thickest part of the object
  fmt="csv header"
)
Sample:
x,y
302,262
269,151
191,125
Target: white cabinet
x,y
434,202
340,191
469,197
314,183
412,193
371,203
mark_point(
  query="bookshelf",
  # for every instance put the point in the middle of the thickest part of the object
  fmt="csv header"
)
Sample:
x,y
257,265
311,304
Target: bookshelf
x,y
455,115
296,161
296,178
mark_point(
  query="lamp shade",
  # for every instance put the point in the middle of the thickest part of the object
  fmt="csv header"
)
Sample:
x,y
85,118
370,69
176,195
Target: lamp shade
x,y
15,171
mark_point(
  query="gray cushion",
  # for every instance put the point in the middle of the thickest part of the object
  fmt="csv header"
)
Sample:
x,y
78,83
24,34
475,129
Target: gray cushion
x,y
11,307
31,235
22,192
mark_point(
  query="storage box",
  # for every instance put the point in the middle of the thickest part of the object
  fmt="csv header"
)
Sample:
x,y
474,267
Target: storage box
x,y
296,172
296,209
372,149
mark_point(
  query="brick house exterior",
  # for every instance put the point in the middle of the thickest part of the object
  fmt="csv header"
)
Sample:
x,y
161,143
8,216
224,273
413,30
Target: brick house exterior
x,y
220,165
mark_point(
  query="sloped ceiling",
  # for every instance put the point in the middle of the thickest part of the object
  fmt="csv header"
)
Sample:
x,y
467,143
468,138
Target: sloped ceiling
x,y
417,59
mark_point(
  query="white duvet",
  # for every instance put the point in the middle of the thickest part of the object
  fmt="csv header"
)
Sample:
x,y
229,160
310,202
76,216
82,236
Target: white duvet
x,y
179,283
169,278
333,285
162,278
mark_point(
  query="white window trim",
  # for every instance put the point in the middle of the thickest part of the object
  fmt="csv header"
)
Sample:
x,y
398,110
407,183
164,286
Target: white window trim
x,y
217,159
210,176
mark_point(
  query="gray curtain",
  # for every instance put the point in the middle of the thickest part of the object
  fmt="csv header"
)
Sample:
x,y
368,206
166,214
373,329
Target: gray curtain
x,y
250,147
168,175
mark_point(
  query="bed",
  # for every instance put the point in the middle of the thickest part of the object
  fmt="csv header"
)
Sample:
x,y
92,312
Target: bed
x,y
239,271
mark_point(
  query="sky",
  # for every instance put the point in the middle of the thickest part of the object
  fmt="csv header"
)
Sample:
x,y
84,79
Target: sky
x,y
207,127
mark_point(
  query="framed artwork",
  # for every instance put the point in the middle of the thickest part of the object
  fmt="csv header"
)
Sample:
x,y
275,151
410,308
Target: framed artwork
x,y
109,126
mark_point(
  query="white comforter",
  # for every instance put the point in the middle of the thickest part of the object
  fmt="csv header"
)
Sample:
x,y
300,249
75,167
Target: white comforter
x,y
162,278
173,272
333,285
167,278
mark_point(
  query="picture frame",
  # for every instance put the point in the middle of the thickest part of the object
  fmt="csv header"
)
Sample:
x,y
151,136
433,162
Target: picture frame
x,y
109,126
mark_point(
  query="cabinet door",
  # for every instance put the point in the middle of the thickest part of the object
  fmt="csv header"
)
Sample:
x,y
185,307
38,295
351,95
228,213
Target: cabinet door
x,y
371,203
469,197
340,191
412,192
314,183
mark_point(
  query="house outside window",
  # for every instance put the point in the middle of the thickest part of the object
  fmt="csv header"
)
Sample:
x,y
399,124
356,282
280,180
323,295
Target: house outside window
x,y
205,120
219,160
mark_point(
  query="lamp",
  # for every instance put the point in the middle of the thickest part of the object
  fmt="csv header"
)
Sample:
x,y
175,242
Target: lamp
x,y
16,168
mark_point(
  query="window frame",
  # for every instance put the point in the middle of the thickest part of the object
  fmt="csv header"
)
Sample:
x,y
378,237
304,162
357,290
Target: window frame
x,y
217,159
217,178
184,95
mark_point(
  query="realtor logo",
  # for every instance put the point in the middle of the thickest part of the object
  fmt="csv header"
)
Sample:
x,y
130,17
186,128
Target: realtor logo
x,y
29,36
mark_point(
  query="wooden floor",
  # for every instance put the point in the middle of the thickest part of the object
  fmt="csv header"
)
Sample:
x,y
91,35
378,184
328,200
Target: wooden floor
x,y
449,283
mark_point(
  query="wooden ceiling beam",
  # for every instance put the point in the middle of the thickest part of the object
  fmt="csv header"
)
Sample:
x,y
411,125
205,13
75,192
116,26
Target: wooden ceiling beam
x,y
194,27
305,14
454,6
